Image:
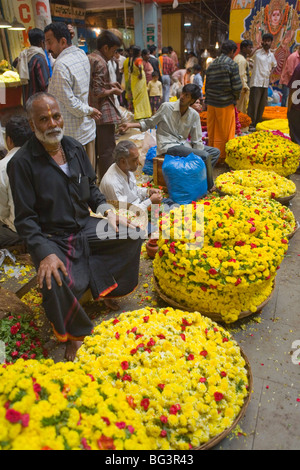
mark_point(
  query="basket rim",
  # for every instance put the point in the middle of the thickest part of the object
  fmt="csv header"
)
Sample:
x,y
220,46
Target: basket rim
x,y
213,316
219,437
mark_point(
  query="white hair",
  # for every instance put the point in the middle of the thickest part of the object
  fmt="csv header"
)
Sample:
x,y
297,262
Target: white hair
x,y
122,150
37,96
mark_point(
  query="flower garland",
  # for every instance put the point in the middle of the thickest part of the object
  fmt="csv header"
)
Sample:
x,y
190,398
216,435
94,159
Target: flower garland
x,y
181,372
47,406
151,379
281,125
234,270
263,150
267,184
244,119
274,112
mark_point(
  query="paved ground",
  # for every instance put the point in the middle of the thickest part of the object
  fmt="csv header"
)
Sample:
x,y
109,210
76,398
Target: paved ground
x,y
273,416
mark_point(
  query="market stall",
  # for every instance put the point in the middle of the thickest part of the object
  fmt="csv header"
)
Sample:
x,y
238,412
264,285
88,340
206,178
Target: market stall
x,y
10,86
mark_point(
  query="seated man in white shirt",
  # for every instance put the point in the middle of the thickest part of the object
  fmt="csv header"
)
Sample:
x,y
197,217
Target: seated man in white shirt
x,y
179,131
18,131
119,183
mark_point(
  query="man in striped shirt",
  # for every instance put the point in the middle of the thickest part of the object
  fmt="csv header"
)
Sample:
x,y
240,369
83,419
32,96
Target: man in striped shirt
x,y
223,88
69,84
32,65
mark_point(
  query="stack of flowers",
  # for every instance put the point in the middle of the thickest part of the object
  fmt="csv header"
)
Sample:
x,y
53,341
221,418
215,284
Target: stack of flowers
x,y
266,184
265,151
281,215
275,112
281,125
47,406
233,270
151,379
244,119
182,373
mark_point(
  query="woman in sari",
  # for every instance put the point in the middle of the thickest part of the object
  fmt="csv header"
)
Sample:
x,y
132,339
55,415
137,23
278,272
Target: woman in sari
x,y
127,79
141,103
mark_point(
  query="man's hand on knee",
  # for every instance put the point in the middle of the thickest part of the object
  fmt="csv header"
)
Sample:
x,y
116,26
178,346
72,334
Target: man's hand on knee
x,y
49,267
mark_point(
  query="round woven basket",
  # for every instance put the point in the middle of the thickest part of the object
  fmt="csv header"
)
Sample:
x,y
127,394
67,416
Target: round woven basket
x,y
217,317
282,200
217,439
290,236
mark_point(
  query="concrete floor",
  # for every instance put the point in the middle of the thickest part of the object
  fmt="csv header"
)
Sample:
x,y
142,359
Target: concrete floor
x,y
272,420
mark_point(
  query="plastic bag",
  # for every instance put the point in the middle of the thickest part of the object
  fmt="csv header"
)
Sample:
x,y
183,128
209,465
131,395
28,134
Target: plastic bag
x,y
149,141
185,178
148,166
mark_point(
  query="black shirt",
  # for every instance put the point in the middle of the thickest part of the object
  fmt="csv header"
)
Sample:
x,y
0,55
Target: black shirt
x,y
47,201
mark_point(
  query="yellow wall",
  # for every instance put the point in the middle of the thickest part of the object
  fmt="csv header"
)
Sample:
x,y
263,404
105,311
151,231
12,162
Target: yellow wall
x,y
172,32
237,24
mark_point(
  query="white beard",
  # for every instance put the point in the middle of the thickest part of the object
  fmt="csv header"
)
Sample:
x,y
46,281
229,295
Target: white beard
x,y
49,137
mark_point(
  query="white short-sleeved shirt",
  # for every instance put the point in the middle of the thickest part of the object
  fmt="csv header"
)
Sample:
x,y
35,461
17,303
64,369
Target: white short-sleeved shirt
x,y
264,62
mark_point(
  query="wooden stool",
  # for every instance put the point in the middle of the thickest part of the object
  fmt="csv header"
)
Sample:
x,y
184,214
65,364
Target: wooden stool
x,y
158,176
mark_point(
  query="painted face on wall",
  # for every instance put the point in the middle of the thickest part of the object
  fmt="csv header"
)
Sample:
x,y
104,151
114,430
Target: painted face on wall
x,y
275,17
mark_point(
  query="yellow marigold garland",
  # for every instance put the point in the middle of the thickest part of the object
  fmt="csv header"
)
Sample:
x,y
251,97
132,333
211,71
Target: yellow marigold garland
x,y
266,184
182,373
281,125
151,379
265,151
234,270
47,406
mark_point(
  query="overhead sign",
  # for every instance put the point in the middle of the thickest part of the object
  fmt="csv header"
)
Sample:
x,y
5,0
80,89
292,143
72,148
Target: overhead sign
x,y
64,11
42,13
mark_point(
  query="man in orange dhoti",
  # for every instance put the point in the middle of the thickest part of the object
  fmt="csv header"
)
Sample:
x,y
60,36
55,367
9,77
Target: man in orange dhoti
x,y
223,87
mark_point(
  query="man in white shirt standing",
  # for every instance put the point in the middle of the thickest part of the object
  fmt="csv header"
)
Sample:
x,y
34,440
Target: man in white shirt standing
x,y
18,131
264,62
70,85
119,183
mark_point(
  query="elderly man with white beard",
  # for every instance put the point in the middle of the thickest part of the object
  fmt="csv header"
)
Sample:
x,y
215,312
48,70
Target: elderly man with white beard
x,y
54,188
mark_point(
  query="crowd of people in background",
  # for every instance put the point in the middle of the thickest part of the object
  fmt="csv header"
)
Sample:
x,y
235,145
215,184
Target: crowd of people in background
x,y
98,91
63,159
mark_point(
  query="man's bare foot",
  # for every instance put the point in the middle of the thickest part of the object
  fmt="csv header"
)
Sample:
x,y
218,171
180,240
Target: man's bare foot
x,y
71,350
111,304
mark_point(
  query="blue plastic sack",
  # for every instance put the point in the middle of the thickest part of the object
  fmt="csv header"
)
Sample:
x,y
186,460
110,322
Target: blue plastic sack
x,y
185,177
148,166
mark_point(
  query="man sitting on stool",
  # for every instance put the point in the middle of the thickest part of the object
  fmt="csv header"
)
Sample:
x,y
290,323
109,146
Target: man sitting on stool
x,y
175,122
119,183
